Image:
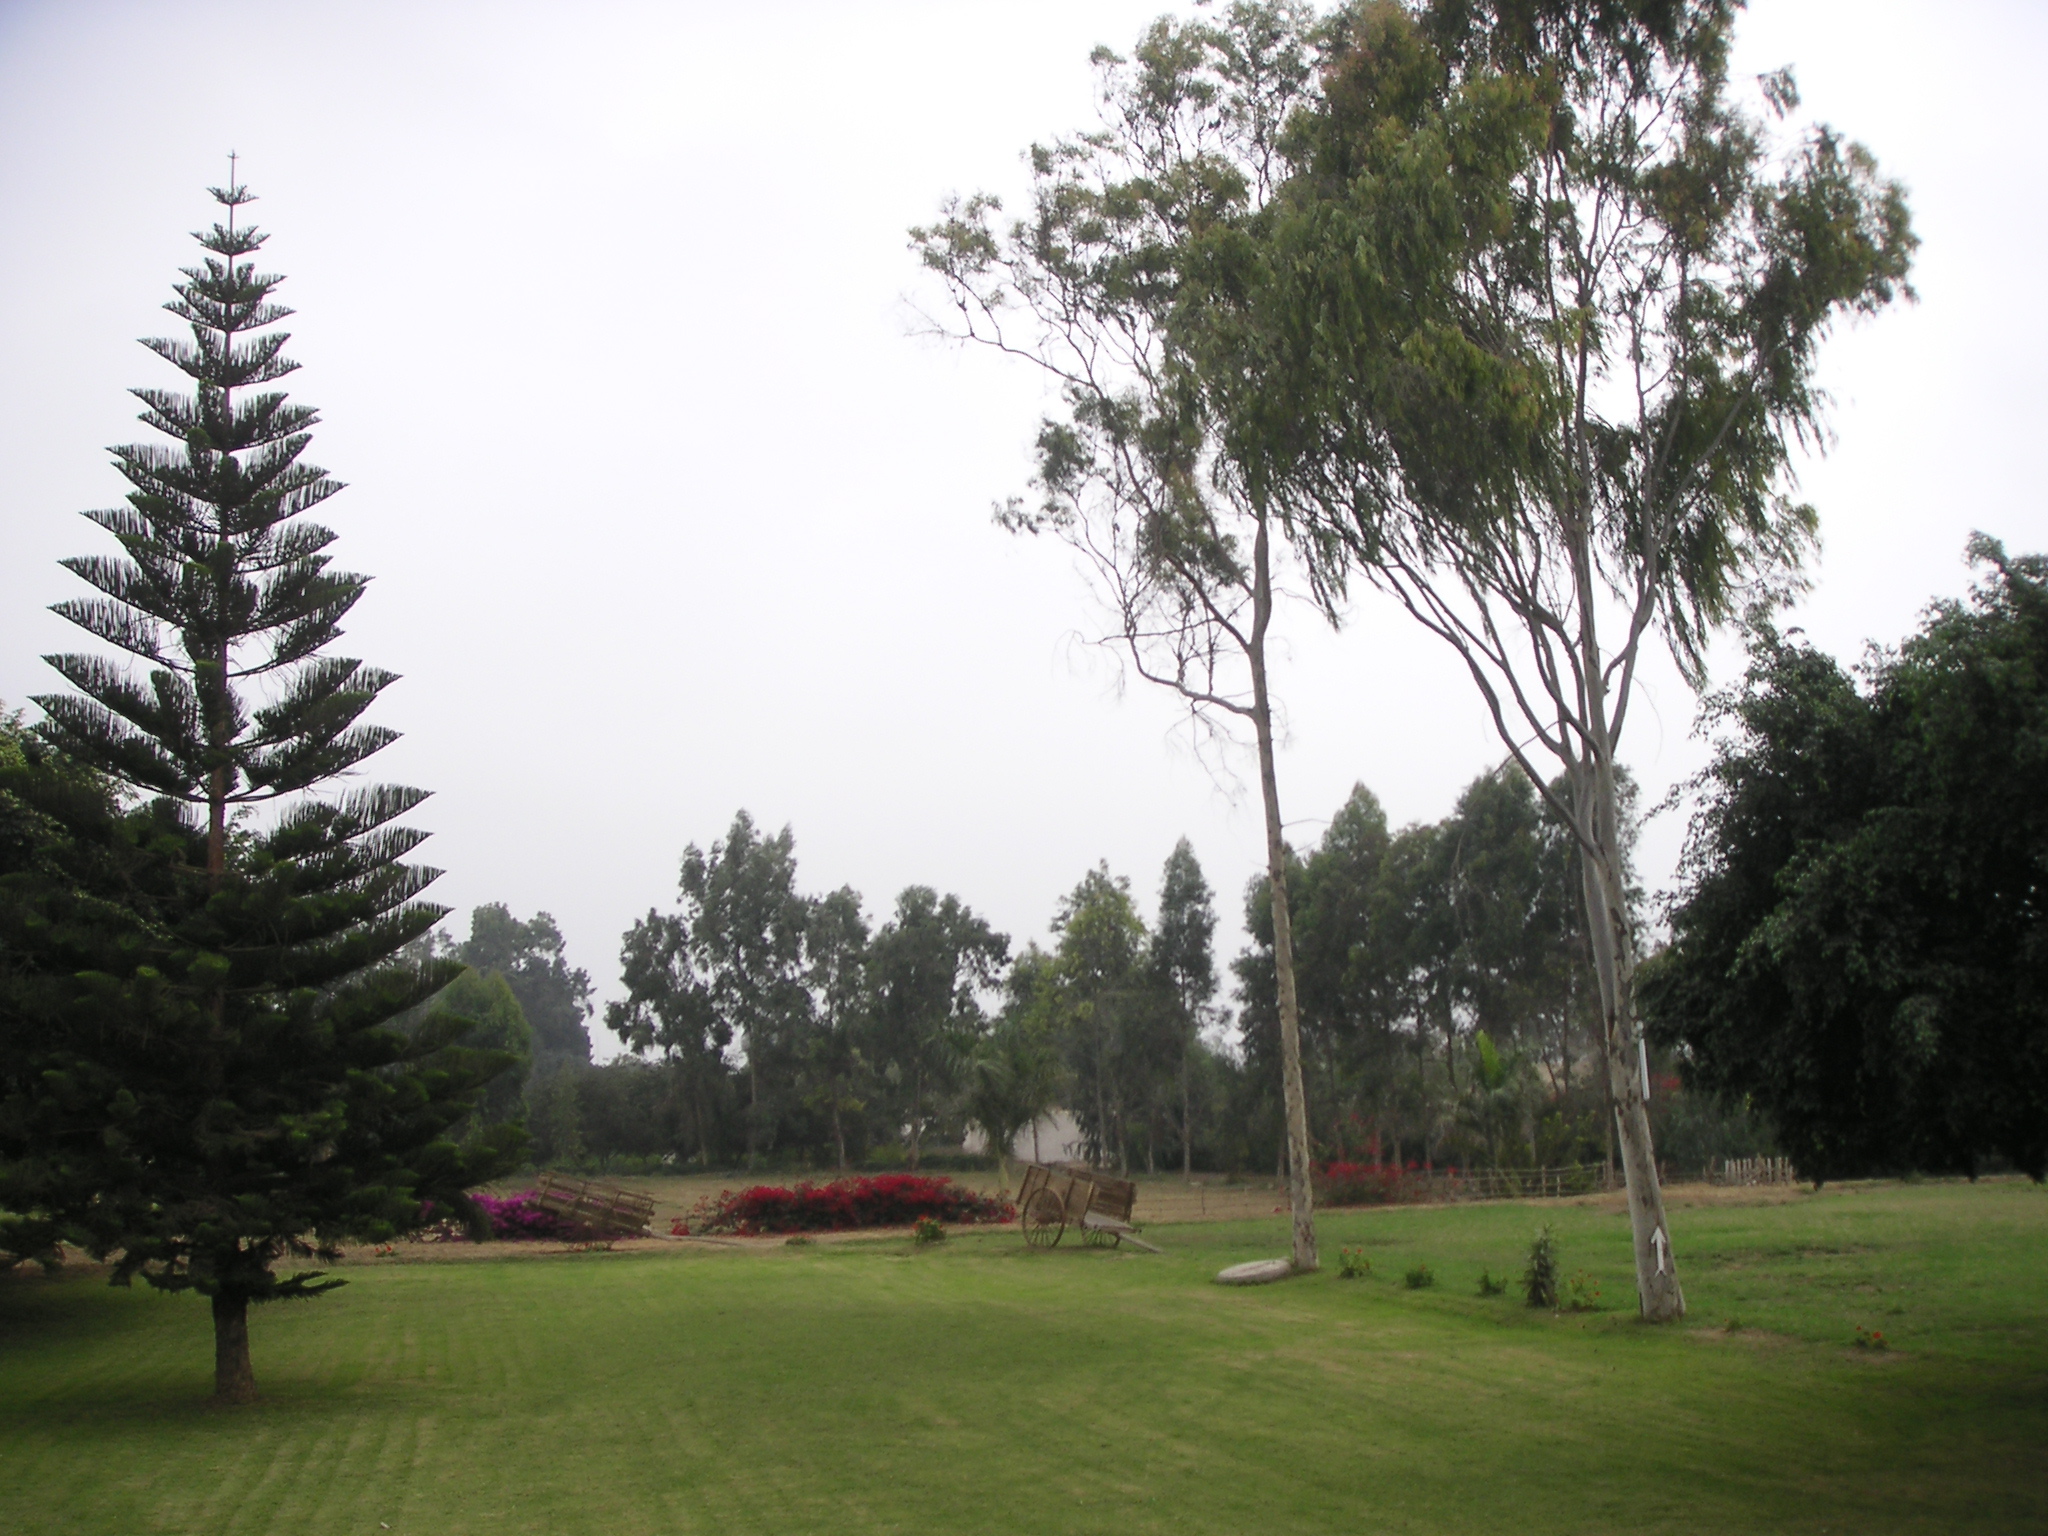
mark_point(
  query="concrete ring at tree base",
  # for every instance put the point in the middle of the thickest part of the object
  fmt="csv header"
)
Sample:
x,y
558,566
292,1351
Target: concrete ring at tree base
x,y
1257,1272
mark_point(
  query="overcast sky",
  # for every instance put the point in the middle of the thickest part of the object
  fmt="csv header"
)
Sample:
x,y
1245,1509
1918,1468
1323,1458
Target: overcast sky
x,y
606,310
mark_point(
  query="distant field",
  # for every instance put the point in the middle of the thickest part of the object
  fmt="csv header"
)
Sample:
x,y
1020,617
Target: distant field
x,y
865,1386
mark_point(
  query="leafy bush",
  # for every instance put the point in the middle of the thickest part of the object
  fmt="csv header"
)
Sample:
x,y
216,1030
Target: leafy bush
x,y
1420,1278
1489,1286
1367,1184
1582,1293
1352,1264
927,1230
1870,1338
1539,1280
883,1200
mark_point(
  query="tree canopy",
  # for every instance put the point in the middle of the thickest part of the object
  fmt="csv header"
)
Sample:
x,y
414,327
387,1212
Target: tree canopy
x,y
1860,948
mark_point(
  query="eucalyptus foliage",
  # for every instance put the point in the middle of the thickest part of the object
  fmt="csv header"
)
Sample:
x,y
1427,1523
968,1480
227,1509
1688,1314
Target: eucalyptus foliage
x,y
1527,337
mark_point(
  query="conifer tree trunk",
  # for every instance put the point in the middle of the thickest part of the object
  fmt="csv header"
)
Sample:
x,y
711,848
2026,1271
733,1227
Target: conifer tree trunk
x,y
234,1378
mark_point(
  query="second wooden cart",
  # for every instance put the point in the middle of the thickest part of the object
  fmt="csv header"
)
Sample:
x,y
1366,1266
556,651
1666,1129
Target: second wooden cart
x,y
1096,1205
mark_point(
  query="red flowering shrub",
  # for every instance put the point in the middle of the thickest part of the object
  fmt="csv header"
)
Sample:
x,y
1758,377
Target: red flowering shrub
x,y
884,1200
1365,1184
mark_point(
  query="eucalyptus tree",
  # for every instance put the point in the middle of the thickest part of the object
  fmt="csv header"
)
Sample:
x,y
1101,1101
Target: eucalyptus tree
x,y
1103,991
667,1009
727,970
835,1068
1132,473
1549,299
533,958
219,1069
1184,959
927,967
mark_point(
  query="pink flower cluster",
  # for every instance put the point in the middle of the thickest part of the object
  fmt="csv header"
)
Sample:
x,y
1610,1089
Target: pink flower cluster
x,y
884,1200
517,1218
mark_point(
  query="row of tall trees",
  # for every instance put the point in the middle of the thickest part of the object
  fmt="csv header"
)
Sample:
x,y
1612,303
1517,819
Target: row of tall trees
x,y
1508,309
788,1024
1445,994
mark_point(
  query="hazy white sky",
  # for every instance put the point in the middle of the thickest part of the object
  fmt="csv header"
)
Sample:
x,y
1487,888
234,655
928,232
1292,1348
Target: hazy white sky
x,y
604,306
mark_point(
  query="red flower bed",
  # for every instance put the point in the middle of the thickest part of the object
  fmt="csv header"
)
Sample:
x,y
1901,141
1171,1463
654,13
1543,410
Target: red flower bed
x,y
1365,1184
886,1200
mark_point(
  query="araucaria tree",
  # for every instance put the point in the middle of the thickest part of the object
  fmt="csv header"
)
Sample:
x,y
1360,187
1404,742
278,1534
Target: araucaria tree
x,y
1544,302
223,1080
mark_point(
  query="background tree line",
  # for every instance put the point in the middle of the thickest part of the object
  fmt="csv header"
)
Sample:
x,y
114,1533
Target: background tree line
x,y
763,1024
1444,994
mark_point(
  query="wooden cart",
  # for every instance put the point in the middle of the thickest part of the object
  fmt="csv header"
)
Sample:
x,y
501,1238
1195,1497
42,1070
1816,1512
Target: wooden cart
x,y
604,1209
1097,1206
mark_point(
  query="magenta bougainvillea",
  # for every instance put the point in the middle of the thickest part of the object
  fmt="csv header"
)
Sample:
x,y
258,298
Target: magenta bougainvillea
x,y
516,1218
885,1200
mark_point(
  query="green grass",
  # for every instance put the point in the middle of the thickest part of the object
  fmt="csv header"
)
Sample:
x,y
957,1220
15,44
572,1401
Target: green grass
x,y
974,1386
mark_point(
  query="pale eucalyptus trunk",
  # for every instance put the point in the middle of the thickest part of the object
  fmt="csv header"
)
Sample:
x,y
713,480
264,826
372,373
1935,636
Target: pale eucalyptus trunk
x,y
1300,1194
1597,809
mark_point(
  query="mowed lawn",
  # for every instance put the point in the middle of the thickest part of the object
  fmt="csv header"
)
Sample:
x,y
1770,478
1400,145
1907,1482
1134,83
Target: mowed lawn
x,y
976,1386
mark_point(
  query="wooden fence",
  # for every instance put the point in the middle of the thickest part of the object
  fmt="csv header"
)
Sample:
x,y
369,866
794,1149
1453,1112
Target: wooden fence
x,y
1443,1184
1751,1170
1519,1183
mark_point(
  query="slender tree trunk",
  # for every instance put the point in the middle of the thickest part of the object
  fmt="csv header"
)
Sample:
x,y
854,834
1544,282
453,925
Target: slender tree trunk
x,y
754,1098
1102,1128
1657,1289
1187,1122
1300,1197
916,1118
838,1134
234,1379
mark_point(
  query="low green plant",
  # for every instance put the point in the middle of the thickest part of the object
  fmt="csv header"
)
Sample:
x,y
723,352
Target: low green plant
x,y
928,1230
1352,1264
1733,1325
1870,1338
1420,1278
1489,1286
1539,1278
1582,1293
797,1241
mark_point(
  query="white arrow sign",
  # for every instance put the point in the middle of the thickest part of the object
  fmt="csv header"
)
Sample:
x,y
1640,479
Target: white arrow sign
x,y
1662,1244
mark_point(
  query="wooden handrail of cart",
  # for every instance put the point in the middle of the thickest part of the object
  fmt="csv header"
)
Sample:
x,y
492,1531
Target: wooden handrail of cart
x,y
1097,1205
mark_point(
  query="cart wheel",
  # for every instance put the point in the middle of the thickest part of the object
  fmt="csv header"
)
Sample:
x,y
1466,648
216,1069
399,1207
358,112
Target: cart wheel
x,y
1100,1237
1044,1218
